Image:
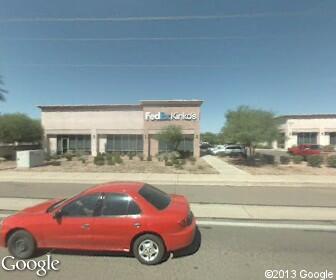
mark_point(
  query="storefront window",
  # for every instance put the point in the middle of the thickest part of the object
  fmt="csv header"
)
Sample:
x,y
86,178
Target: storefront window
x,y
74,144
124,143
186,145
333,138
307,138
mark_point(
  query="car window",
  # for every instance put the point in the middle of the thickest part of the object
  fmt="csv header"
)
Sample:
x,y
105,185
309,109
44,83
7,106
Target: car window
x,y
159,199
82,207
119,205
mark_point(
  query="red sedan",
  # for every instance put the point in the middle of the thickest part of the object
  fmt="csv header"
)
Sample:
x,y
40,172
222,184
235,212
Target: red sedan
x,y
121,216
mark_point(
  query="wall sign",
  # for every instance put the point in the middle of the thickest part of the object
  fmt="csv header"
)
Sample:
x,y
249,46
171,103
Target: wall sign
x,y
161,116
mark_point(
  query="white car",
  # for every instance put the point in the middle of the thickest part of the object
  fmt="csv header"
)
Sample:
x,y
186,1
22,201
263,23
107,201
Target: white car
x,y
215,148
229,149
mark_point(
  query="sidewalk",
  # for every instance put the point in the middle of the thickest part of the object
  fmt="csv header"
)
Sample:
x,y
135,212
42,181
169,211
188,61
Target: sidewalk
x,y
225,169
170,179
219,211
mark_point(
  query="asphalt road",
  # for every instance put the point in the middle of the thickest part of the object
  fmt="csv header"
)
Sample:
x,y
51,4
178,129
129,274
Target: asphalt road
x,y
282,196
225,253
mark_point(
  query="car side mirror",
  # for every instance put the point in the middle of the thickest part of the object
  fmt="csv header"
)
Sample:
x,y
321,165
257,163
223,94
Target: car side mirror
x,y
58,214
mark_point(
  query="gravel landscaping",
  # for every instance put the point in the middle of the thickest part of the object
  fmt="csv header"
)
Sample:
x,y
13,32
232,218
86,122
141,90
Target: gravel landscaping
x,y
283,169
134,165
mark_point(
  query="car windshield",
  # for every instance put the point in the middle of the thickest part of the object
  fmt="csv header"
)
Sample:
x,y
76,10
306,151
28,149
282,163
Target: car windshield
x,y
61,202
159,199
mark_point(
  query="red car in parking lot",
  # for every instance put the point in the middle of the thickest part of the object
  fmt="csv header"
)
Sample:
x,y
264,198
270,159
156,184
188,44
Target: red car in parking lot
x,y
120,216
305,150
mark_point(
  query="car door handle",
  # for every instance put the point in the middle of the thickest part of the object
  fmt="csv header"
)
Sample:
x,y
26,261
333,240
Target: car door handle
x,y
85,226
137,225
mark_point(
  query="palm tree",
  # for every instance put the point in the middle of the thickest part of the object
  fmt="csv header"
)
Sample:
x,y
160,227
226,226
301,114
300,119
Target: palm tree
x,y
2,91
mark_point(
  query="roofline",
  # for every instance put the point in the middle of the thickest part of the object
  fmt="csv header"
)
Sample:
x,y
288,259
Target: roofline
x,y
308,116
143,103
177,102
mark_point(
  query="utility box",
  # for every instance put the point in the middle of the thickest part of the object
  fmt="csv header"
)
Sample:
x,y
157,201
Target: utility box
x,y
28,159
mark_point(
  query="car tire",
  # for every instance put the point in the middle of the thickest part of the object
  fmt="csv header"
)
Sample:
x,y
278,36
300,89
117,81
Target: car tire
x,y
149,249
21,244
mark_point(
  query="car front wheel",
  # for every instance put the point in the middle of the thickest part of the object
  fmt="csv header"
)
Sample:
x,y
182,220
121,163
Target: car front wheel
x,y
21,244
149,249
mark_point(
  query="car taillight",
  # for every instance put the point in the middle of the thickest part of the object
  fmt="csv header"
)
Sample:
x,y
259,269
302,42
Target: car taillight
x,y
187,221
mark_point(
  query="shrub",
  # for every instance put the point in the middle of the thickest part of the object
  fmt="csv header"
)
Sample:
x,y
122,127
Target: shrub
x,y
314,160
331,161
285,159
68,156
178,166
118,159
168,163
99,159
110,160
267,159
130,156
82,159
298,159
175,161
149,158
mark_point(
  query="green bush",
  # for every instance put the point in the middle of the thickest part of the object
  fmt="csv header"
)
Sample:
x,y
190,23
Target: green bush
x,y
168,163
118,159
331,161
298,159
285,159
267,159
131,155
99,159
315,160
82,159
178,166
68,156
110,160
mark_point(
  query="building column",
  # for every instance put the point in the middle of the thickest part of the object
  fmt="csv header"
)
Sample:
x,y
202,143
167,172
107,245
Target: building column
x,y
154,146
102,140
145,144
197,152
51,145
94,143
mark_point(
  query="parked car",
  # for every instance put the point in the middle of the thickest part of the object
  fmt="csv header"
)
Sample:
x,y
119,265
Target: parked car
x,y
205,148
215,148
305,150
230,150
128,216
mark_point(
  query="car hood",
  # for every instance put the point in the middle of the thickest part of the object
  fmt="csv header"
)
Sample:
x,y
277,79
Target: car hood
x,y
41,207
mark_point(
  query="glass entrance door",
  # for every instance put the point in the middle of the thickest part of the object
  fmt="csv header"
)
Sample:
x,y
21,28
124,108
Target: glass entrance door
x,y
65,145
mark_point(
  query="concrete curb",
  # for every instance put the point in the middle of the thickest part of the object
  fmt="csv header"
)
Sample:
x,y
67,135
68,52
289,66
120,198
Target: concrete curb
x,y
169,179
220,211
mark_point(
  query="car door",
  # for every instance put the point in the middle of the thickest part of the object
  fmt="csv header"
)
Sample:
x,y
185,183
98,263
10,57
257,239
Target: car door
x,y
73,228
118,222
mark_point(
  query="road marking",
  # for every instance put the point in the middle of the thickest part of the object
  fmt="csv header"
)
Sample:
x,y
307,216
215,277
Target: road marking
x,y
311,227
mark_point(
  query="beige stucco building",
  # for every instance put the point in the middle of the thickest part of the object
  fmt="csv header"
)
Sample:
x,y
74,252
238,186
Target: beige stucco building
x,y
307,129
120,128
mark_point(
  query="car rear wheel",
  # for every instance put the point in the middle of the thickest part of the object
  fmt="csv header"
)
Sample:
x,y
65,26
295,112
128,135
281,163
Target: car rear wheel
x,y
21,244
149,249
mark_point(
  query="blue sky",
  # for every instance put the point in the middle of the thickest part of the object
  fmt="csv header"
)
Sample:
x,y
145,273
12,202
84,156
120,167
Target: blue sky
x,y
270,54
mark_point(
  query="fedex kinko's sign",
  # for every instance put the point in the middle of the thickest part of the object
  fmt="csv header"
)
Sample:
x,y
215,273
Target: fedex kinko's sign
x,y
161,116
